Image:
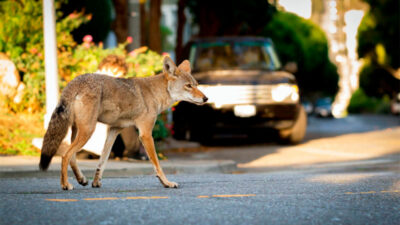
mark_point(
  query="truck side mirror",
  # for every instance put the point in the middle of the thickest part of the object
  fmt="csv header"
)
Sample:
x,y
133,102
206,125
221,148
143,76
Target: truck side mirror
x,y
290,67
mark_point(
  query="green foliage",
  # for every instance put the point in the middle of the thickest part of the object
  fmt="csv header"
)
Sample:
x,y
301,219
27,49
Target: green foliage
x,y
17,132
376,81
301,41
165,43
361,103
230,17
381,25
160,130
100,23
21,38
379,45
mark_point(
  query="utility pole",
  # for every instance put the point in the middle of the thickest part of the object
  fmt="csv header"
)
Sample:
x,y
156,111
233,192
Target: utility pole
x,y
134,23
50,54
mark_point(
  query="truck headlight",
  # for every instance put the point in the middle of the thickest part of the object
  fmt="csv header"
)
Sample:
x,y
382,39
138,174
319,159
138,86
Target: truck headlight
x,y
285,91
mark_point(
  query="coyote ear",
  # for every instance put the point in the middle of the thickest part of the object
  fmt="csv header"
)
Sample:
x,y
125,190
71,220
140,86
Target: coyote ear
x,y
185,66
169,66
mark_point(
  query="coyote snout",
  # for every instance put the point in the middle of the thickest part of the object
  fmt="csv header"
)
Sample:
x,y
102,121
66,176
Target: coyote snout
x,y
119,103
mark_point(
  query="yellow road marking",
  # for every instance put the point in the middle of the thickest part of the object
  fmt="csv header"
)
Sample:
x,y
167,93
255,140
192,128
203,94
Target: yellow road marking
x,y
147,197
394,191
62,200
225,196
203,196
368,192
233,196
99,199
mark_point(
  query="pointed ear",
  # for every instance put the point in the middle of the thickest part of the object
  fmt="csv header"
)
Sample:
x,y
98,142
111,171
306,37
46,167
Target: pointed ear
x,y
169,66
185,66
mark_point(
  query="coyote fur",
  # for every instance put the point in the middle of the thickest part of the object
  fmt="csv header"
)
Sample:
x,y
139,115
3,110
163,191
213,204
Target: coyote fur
x,y
119,103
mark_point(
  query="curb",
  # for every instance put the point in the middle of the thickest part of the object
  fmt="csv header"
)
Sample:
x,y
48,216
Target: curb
x,y
120,168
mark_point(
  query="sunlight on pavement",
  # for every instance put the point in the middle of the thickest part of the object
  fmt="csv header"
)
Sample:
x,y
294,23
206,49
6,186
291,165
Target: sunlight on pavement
x,y
340,178
348,147
371,192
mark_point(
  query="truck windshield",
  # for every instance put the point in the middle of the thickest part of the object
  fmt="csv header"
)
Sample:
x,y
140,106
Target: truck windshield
x,y
243,55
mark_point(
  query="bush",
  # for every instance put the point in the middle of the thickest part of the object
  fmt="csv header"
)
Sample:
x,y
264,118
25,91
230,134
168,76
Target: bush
x,y
301,41
21,38
361,103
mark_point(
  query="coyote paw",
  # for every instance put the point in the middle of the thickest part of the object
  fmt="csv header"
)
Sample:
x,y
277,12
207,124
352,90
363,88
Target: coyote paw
x,y
96,184
166,183
171,185
67,187
83,181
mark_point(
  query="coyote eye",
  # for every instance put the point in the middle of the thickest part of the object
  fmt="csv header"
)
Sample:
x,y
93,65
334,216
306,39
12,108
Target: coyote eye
x,y
188,86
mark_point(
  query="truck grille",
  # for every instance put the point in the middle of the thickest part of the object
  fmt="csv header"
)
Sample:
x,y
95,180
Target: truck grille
x,y
222,95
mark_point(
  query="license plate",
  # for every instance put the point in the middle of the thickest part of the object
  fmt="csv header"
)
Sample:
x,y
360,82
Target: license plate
x,y
244,110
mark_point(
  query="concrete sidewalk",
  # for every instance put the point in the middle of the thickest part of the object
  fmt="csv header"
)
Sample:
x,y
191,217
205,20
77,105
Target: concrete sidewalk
x,y
24,166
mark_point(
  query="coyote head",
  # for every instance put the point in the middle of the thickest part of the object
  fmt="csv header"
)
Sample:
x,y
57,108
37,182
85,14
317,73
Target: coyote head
x,y
181,84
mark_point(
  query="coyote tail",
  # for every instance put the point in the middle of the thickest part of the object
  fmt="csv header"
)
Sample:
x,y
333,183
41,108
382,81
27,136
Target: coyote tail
x,y
56,132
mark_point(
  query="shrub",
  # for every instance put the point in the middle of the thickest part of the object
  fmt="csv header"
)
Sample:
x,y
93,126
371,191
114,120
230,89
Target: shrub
x,y
21,38
361,103
301,41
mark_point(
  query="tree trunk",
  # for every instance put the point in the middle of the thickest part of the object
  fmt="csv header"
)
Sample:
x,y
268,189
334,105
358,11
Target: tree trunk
x,y
143,23
179,32
154,35
120,24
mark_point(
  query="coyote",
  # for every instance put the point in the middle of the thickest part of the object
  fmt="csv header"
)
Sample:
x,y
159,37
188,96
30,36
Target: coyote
x,y
119,103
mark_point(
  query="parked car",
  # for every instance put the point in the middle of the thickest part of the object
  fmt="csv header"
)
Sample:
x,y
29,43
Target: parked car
x,y
246,88
395,104
308,106
323,107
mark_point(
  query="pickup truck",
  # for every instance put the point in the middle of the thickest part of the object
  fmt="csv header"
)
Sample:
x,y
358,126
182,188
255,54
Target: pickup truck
x,y
247,90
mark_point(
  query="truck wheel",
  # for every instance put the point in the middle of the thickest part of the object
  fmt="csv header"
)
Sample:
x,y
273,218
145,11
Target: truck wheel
x,y
295,134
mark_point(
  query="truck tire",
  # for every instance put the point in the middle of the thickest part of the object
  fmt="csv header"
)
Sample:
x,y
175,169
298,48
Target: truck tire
x,y
295,134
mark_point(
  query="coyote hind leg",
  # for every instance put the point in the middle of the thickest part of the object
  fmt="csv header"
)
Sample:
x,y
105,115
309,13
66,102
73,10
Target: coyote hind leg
x,y
112,134
83,135
74,166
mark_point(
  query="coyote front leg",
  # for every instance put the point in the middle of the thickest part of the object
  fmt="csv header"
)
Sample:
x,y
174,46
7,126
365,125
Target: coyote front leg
x,y
111,136
145,130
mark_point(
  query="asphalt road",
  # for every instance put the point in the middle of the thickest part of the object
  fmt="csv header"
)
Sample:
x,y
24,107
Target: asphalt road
x,y
274,198
346,172
355,142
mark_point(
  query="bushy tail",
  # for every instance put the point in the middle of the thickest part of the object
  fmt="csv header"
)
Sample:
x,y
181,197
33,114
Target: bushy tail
x,y
58,128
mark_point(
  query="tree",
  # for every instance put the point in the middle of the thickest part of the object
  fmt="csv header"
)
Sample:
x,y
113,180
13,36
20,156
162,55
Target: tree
x,y
381,25
154,35
301,41
230,17
179,30
224,17
100,23
379,46
120,24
